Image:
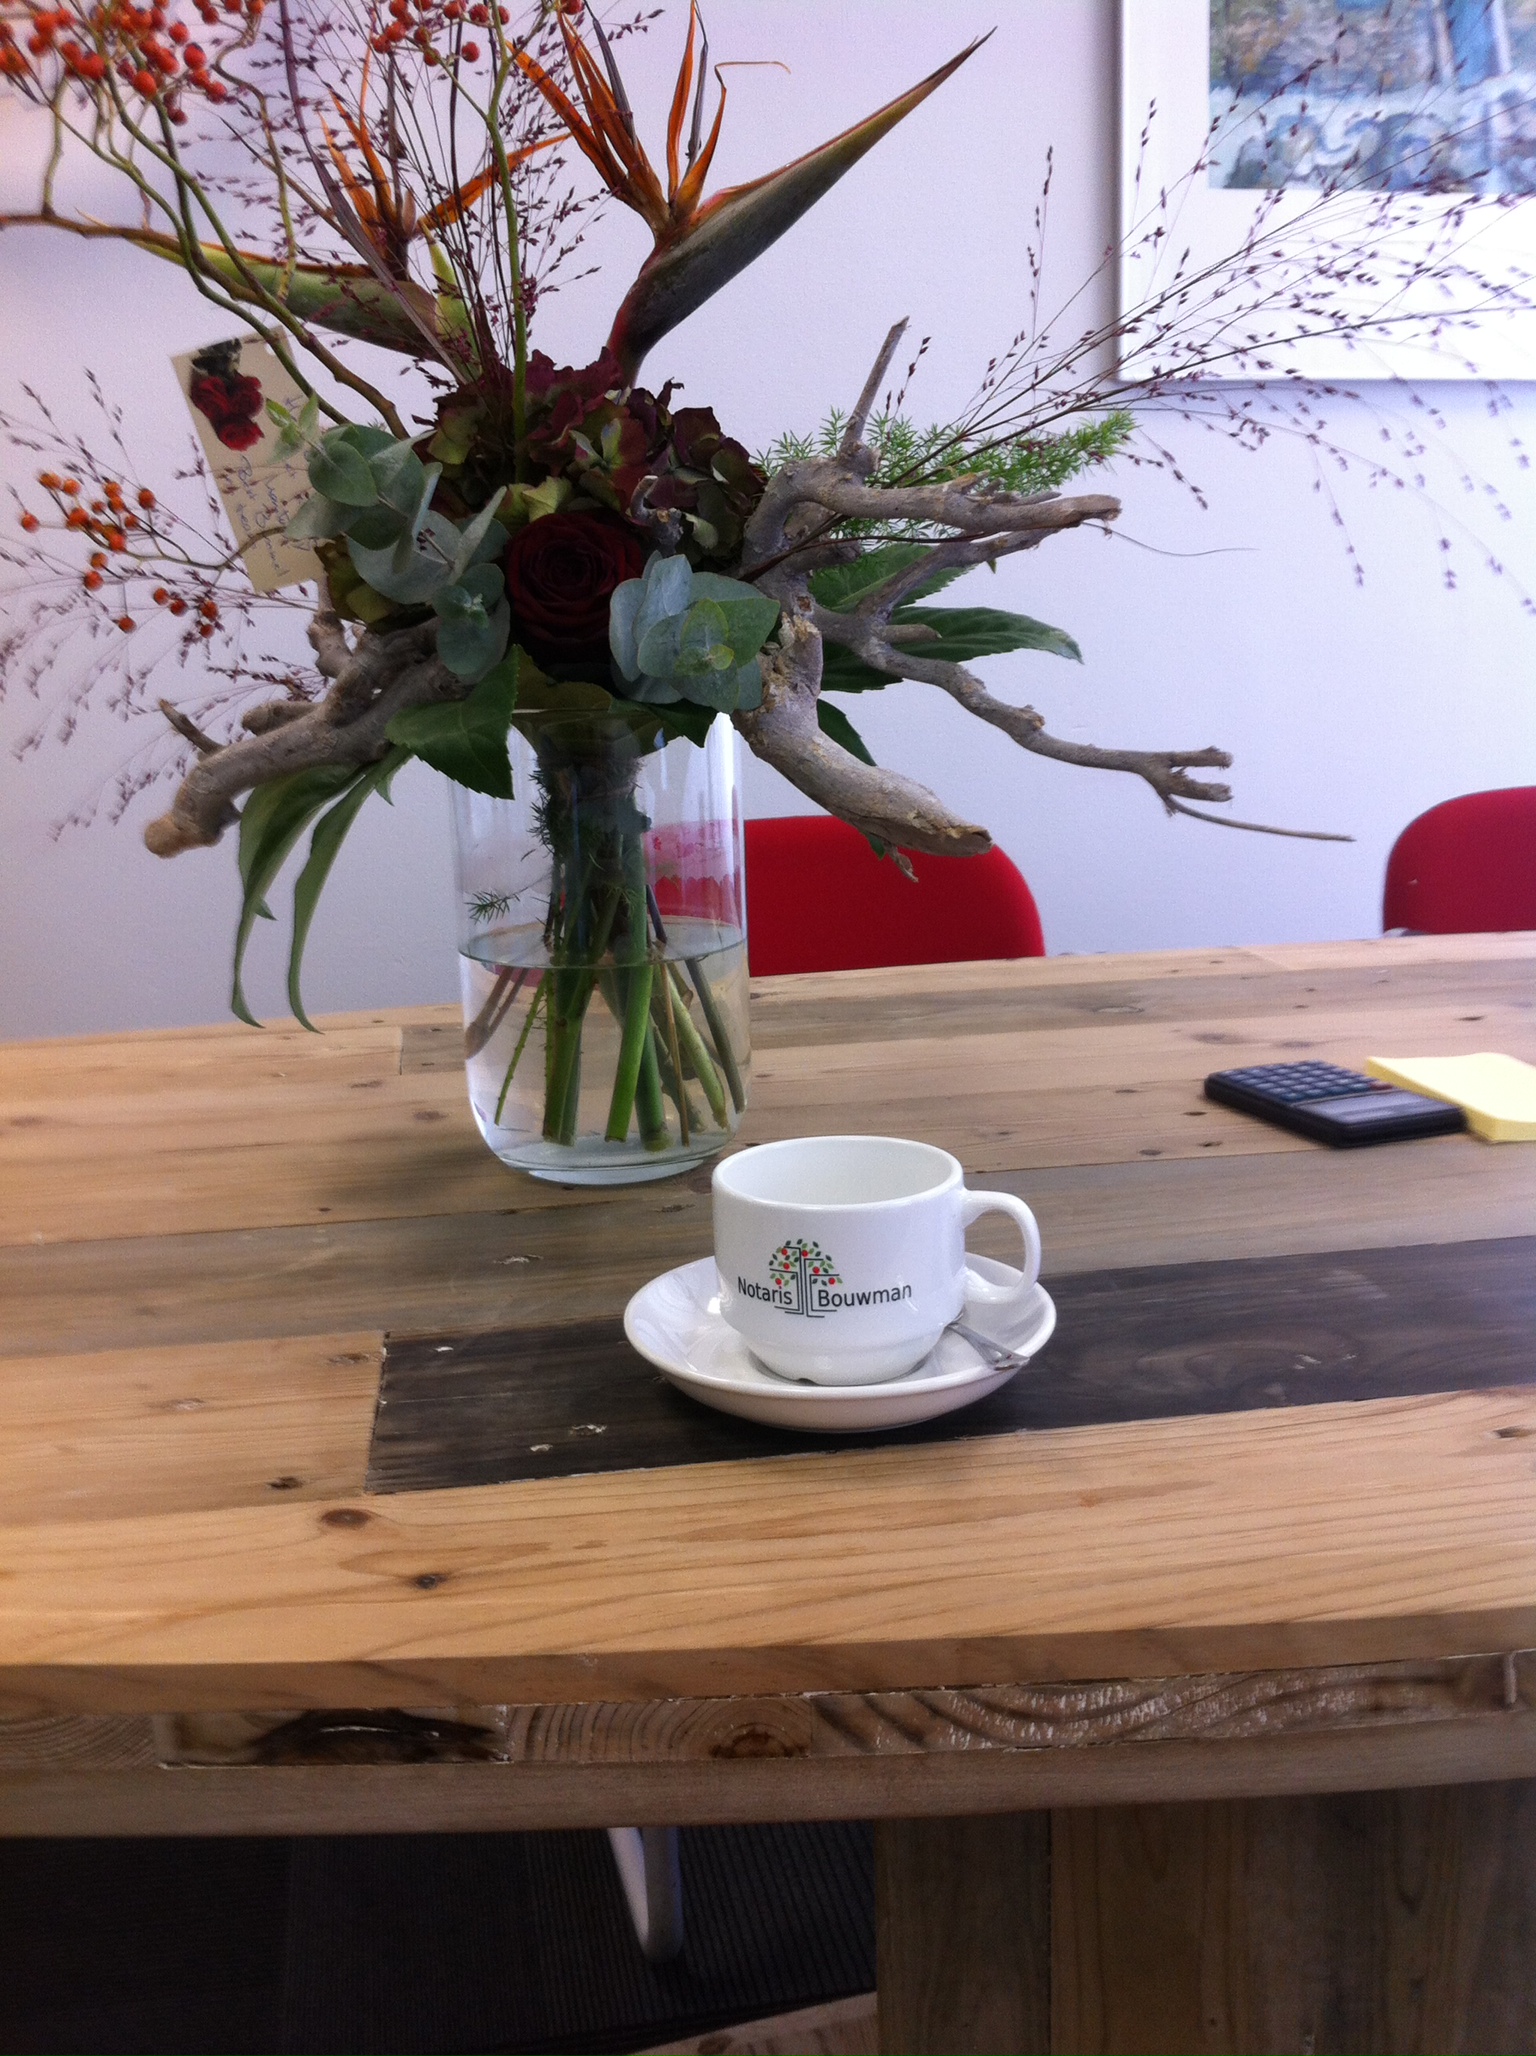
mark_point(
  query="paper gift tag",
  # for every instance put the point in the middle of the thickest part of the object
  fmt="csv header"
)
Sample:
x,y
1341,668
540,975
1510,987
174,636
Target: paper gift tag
x,y
227,387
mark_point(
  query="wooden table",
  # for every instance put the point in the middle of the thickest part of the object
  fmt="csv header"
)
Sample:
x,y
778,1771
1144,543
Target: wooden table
x,y
1202,1732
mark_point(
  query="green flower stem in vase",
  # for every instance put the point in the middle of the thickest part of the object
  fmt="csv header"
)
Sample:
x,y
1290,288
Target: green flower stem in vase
x,y
603,948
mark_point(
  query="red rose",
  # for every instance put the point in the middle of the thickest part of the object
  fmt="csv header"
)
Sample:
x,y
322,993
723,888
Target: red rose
x,y
230,405
560,573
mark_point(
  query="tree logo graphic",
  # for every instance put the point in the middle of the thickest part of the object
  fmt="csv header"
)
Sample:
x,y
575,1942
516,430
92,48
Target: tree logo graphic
x,y
795,1267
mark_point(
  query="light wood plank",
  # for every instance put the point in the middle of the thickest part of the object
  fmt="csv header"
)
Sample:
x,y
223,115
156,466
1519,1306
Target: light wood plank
x,y
537,1260
147,1431
1148,1548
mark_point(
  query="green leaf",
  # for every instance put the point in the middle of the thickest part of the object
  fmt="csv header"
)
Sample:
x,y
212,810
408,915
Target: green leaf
x,y
839,729
471,642
330,833
315,517
467,739
961,635
366,437
842,586
842,671
406,572
273,819
375,528
967,632
398,476
471,550
750,616
342,473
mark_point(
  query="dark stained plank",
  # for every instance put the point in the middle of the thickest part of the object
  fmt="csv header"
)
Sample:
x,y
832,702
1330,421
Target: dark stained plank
x,y
963,1935
575,1400
1363,1921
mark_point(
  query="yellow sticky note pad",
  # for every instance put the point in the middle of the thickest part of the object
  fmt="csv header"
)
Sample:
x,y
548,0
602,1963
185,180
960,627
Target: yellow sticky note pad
x,y
1496,1093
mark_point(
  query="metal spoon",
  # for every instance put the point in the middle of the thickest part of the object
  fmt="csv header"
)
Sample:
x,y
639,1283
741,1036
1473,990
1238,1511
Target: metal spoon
x,y
989,1351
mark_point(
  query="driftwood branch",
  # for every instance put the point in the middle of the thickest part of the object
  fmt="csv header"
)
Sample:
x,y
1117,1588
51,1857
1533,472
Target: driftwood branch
x,y
785,732
379,678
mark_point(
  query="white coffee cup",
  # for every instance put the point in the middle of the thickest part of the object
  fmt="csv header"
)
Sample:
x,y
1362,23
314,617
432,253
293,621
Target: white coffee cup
x,y
842,1257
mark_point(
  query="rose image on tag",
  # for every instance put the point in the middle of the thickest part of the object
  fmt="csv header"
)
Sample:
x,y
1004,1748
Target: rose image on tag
x,y
230,402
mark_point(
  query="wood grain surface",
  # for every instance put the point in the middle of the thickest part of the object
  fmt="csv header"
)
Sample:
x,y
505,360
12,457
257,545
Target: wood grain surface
x,y
235,1219
1360,1921
576,1400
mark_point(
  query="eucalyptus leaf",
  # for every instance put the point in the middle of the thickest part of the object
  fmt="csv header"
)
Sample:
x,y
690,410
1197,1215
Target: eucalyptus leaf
x,y
474,535
492,546
408,572
668,590
467,739
271,822
366,437
750,615
729,692
330,833
623,610
342,473
398,476
376,528
471,642
420,514
316,517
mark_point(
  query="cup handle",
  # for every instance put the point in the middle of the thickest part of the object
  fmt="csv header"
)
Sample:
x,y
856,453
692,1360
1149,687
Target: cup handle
x,y
978,1290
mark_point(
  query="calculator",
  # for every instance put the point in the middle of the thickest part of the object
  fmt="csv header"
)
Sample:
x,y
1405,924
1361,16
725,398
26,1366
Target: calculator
x,y
1344,1108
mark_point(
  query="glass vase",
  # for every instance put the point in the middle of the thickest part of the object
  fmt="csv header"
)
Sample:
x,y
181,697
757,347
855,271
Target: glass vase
x,y
602,950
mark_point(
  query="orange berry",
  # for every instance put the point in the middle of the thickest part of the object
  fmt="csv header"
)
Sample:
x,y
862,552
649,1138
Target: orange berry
x,y
126,623
178,606
130,521
208,609
50,479
77,518
160,596
146,497
472,53
91,581
98,560
29,522
69,485
205,629
98,506
116,540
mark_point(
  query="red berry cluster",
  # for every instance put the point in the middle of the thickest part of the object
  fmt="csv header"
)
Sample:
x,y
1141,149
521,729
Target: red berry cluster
x,y
42,45
101,514
428,23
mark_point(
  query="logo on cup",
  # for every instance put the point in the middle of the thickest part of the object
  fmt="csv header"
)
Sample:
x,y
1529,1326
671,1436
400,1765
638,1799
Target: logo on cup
x,y
804,1280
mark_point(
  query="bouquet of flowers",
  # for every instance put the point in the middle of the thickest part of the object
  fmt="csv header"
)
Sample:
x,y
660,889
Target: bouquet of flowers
x,y
557,558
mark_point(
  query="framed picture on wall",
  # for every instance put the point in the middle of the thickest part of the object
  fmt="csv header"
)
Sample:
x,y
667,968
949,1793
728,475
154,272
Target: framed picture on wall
x,y
1286,161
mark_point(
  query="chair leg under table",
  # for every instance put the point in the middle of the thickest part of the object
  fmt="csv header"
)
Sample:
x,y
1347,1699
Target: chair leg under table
x,y
653,1887
1394,1921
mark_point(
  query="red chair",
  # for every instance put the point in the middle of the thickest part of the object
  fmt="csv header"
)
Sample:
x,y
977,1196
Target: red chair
x,y
1468,864
819,899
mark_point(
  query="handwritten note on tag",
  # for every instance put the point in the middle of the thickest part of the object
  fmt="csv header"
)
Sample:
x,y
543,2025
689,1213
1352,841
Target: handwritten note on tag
x,y
227,387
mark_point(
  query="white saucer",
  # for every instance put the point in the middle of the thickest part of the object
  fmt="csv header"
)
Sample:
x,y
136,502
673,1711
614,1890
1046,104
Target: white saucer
x,y
675,1322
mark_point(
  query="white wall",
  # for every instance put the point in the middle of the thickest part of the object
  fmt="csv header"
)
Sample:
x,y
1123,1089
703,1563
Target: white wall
x,y
1348,709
